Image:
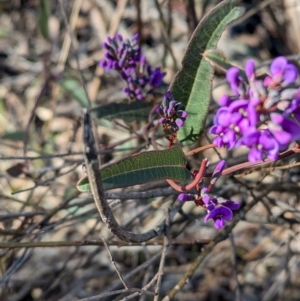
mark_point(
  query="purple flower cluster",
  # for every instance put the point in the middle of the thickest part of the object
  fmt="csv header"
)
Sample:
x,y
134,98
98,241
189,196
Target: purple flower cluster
x,y
261,114
172,114
218,209
125,56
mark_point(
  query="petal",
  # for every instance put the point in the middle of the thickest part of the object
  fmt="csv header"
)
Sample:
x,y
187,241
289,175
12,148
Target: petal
x,y
250,69
251,138
224,100
255,154
179,122
278,65
290,74
219,168
232,76
218,141
219,223
182,114
186,197
219,212
238,104
224,118
216,129
231,205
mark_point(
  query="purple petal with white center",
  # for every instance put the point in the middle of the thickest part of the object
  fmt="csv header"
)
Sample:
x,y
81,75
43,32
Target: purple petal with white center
x,y
220,212
230,138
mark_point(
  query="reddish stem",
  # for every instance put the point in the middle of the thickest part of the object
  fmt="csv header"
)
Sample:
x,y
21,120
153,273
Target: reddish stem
x,y
200,149
196,181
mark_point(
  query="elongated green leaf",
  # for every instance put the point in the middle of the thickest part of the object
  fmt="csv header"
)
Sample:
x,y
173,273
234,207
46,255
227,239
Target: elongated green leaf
x,y
129,112
218,58
74,88
142,168
44,14
192,84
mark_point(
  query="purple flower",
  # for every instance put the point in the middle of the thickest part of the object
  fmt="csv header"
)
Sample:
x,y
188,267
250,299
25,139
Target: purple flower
x,y
283,70
231,122
283,129
225,136
250,117
219,209
172,113
125,56
261,142
219,215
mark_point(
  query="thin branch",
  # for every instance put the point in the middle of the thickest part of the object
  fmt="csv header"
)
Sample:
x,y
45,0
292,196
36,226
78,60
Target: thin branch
x,y
163,256
97,297
114,264
165,34
69,154
67,40
144,288
65,19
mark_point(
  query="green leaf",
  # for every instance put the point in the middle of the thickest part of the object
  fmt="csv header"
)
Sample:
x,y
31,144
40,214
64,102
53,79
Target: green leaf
x,y
142,168
44,14
218,58
15,136
74,88
192,84
137,110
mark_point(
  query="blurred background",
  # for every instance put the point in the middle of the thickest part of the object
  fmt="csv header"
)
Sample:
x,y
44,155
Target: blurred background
x,y
51,234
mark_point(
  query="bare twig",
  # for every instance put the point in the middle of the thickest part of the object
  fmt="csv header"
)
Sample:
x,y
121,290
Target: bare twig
x,y
114,263
67,40
165,34
65,19
163,256
98,297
